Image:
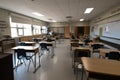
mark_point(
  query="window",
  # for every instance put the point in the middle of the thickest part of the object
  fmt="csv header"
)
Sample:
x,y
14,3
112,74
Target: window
x,y
20,32
14,32
44,29
27,29
36,29
19,29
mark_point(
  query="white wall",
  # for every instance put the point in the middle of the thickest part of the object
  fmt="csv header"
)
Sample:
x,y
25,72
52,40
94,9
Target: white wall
x,y
66,24
110,24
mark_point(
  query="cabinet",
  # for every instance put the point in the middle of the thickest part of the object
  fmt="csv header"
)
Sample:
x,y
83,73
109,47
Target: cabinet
x,y
6,67
67,32
6,44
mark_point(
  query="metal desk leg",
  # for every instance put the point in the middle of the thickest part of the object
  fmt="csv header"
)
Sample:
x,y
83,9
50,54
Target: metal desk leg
x,y
36,68
52,51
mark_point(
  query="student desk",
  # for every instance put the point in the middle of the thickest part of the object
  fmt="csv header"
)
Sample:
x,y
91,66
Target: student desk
x,y
80,43
92,43
85,48
80,48
101,68
28,42
51,44
104,51
34,49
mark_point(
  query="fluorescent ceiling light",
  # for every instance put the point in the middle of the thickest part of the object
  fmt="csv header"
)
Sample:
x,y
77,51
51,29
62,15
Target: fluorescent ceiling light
x,y
81,19
54,21
88,10
37,14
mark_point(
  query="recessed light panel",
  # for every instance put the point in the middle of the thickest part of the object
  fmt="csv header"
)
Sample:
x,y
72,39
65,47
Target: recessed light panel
x,y
37,14
88,10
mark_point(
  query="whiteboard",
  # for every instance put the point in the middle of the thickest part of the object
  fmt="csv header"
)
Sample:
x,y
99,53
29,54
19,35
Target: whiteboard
x,y
113,30
57,29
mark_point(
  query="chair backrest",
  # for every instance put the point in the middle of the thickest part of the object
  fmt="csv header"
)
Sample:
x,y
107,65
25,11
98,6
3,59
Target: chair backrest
x,y
27,44
86,41
74,40
96,46
22,44
75,44
49,40
20,53
113,55
43,46
81,53
36,40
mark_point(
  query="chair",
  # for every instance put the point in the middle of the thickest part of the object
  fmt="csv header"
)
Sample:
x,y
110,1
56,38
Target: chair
x,y
77,59
96,47
113,55
49,40
43,46
86,41
35,40
74,40
22,44
27,44
74,44
21,55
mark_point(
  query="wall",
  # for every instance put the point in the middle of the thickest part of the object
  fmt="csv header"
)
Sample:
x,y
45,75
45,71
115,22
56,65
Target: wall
x,y
4,19
71,25
109,22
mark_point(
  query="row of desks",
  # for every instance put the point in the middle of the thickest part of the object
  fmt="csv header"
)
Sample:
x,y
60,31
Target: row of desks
x,y
91,43
100,68
35,50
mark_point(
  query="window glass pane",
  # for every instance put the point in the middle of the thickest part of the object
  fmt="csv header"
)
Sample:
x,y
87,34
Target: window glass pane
x,y
44,29
27,29
20,25
36,29
14,32
20,32
13,24
39,29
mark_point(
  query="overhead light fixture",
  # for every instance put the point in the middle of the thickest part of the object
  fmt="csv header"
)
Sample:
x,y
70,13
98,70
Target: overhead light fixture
x,y
88,10
81,19
37,14
54,21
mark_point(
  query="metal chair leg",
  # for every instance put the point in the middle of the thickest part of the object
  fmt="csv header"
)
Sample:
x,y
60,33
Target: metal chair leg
x,y
28,65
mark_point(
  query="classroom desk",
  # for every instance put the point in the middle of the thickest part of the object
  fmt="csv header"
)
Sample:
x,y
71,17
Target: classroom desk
x,y
101,68
74,40
54,39
51,44
34,49
104,51
80,42
80,48
85,48
92,43
28,42
37,39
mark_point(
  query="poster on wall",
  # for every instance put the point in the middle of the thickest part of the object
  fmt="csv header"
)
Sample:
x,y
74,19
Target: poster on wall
x,y
106,29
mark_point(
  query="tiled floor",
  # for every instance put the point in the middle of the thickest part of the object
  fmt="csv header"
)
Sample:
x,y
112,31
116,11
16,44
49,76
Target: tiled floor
x,y
57,68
